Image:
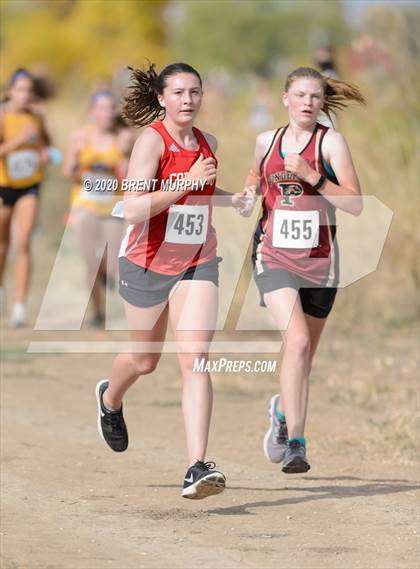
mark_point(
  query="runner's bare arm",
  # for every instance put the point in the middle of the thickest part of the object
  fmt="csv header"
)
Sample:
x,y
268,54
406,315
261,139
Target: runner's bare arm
x,y
140,205
71,158
27,132
45,133
211,141
262,145
223,198
125,142
238,200
45,138
345,195
252,186
337,153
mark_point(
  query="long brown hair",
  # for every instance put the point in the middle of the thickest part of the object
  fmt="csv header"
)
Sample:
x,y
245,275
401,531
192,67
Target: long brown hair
x,y
336,93
141,106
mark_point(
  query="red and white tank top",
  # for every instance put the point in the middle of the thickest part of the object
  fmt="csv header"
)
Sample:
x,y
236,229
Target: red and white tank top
x,y
181,236
297,229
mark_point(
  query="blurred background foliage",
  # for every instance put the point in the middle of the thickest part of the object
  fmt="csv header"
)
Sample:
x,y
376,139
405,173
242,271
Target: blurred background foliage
x,y
89,38
253,37
244,49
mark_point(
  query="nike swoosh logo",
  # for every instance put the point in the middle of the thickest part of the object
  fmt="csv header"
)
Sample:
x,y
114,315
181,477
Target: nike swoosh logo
x,y
190,479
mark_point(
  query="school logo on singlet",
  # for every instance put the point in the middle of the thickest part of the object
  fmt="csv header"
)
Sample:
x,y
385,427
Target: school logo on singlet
x,y
289,193
174,148
287,185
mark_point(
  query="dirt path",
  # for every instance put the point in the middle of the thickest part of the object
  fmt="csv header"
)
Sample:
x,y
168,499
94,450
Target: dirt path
x,y
69,502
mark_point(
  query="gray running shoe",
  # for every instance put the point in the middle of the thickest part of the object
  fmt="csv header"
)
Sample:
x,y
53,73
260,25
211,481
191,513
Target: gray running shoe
x,y
295,459
275,440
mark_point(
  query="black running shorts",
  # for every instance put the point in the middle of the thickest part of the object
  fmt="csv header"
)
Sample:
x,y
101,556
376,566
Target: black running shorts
x,y
316,301
9,196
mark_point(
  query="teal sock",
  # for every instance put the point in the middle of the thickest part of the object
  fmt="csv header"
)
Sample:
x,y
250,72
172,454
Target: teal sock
x,y
280,416
300,440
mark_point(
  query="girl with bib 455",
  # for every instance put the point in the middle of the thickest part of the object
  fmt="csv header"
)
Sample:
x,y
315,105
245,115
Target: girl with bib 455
x,y
304,171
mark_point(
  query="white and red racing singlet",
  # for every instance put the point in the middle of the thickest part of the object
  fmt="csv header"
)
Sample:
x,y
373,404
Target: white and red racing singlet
x,y
181,236
297,229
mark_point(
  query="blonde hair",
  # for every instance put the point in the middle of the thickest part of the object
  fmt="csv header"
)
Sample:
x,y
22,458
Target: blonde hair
x,y
336,93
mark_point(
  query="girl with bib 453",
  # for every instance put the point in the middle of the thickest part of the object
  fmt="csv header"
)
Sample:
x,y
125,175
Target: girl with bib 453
x,y
168,262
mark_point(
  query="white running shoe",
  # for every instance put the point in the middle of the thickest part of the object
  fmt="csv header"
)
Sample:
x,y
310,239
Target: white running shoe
x,y
18,317
275,440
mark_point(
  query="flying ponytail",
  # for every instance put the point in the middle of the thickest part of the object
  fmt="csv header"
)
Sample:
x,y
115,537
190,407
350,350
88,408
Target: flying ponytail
x,y
141,105
337,93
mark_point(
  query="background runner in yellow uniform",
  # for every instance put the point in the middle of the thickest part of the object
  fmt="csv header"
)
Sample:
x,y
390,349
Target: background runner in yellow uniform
x,y
23,156
97,160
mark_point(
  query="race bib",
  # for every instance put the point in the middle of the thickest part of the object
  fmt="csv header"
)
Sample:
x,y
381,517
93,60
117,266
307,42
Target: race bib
x,y
22,164
296,229
187,224
99,187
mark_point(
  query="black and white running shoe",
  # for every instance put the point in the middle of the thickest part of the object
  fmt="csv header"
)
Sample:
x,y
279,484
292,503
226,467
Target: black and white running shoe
x,y
111,424
202,480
